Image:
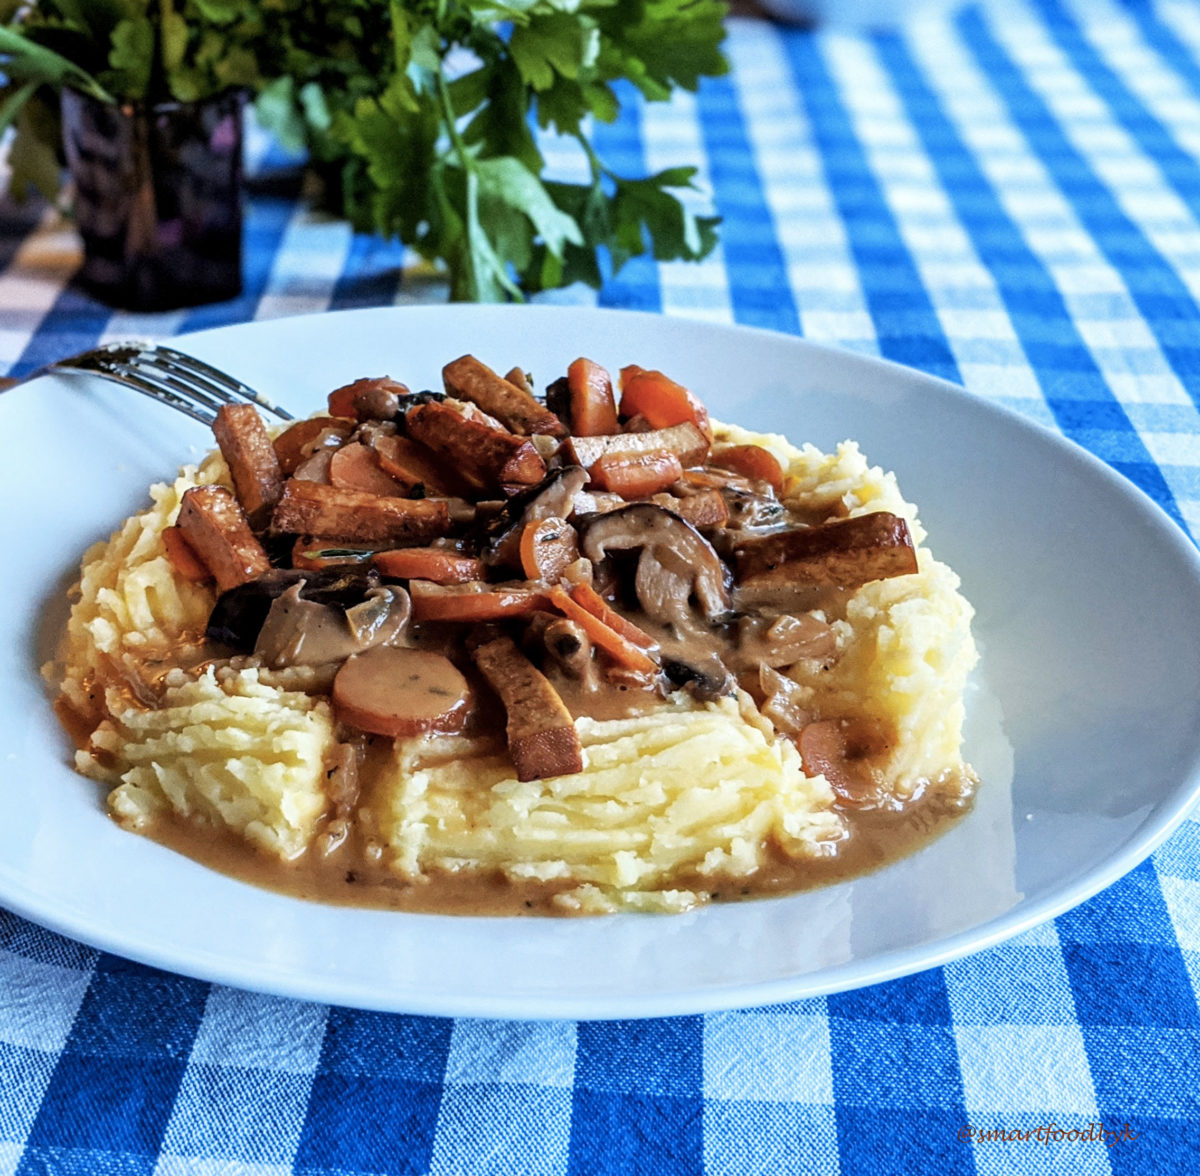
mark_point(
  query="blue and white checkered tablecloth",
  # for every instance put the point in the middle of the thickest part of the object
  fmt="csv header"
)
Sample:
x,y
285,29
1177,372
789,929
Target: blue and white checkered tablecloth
x,y
1009,198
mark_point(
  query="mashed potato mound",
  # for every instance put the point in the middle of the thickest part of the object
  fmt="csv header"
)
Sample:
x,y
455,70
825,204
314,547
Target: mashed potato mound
x,y
688,790
668,799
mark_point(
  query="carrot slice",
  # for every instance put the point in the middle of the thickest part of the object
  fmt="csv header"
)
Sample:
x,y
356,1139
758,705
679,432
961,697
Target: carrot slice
x,y
587,597
548,547
412,465
751,461
660,400
623,651
184,558
355,467
636,475
429,563
472,602
593,409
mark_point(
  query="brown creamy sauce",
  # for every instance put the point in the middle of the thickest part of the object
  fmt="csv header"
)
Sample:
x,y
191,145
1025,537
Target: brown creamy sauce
x,y
349,875
346,877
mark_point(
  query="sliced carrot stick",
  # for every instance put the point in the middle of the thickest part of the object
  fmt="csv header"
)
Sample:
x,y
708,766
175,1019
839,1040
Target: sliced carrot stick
x,y
587,597
593,409
473,602
751,461
636,475
547,548
660,400
183,558
355,467
623,651
434,564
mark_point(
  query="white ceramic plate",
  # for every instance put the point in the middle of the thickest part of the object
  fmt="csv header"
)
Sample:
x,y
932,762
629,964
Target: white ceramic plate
x,y
1084,718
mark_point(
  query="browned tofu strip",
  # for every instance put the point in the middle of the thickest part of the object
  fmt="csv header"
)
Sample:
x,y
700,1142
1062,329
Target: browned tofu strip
x,y
485,457
541,736
215,528
513,406
354,516
686,441
247,448
845,552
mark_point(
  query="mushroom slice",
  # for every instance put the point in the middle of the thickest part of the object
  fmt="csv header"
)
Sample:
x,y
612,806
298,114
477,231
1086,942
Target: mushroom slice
x,y
703,675
300,632
541,734
782,641
847,553
240,613
676,563
551,498
847,752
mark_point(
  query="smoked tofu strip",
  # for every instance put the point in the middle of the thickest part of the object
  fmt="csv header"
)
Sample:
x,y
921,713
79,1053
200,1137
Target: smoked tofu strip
x,y
354,516
846,552
216,529
253,463
486,458
468,379
686,441
541,734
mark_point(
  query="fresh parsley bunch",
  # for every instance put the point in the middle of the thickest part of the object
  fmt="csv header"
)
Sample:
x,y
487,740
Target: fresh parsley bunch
x,y
423,118
421,115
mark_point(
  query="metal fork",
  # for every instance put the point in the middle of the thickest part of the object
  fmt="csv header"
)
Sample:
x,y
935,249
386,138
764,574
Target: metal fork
x,y
166,375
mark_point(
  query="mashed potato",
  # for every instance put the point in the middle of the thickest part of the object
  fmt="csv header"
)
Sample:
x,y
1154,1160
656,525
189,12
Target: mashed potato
x,y
667,800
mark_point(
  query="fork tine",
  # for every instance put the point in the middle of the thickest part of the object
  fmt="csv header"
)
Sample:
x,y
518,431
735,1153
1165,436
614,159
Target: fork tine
x,y
116,361
170,376
164,394
150,367
219,383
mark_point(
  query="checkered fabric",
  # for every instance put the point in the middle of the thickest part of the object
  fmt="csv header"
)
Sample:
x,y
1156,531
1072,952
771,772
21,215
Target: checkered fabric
x,y
1008,197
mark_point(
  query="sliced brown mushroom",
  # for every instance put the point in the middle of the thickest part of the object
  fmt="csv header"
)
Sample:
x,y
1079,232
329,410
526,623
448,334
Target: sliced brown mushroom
x,y
570,647
676,565
552,498
781,641
847,752
300,632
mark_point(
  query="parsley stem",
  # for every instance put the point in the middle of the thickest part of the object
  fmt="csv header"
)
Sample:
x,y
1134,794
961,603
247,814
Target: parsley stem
x,y
472,278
